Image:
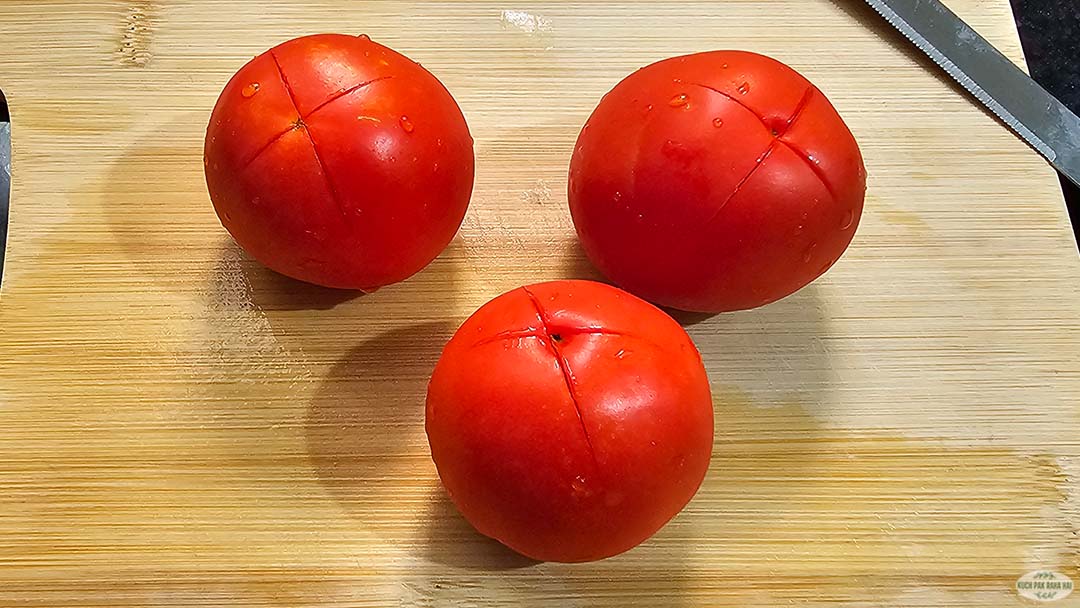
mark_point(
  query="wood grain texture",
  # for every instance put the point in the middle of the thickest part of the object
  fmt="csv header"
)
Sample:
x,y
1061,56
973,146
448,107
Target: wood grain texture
x,y
179,427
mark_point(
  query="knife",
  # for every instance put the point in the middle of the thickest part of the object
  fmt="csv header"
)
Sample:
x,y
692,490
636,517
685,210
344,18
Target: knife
x,y
1024,106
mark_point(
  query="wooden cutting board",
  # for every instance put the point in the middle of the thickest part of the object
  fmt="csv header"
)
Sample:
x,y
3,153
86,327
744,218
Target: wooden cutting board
x,y
180,427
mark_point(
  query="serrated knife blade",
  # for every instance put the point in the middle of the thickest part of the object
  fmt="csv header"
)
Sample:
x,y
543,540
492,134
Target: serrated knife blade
x,y
1024,106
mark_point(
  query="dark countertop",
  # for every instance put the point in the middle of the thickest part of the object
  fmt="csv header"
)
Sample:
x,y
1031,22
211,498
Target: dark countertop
x,y
5,176
1050,34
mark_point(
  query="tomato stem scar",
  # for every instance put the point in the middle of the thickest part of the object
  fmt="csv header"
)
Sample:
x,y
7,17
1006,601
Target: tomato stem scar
x,y
561,363
314,148
777,139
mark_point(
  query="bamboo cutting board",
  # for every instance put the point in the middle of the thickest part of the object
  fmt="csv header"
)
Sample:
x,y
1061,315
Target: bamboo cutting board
x,y
180,427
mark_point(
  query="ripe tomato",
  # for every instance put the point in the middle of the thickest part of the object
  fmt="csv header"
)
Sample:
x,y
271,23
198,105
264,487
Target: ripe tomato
x,y
570,420
715,182
335,160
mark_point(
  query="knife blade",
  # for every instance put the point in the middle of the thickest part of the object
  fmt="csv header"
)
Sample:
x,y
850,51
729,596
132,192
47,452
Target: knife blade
x,y
1025,107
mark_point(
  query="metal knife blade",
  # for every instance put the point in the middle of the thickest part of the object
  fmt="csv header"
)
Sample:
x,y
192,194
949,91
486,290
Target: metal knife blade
x,y
1024,106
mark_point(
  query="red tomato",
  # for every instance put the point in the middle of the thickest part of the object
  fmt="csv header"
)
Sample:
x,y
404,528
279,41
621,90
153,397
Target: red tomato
x,y
715,182
570,420
335,160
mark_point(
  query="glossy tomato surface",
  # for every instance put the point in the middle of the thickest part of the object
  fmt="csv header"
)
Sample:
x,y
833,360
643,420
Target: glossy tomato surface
x,y
335,160
714,182
570,420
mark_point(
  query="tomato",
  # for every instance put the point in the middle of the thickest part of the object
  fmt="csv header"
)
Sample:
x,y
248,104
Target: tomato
x,y
715,182
335,160
570,420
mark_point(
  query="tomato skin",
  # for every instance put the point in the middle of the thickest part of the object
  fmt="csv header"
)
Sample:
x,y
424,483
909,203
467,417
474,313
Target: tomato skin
x,y
570,420
335,160
715,182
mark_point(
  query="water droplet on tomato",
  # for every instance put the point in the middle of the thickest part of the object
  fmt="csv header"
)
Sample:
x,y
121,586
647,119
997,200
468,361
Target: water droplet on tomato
x,y
813,159
579,488
617,196
718,122
205,161
364,37
679,101
725,66
676,150
677,80
809,253
621,353
406,124
849,219
744,88
648,108
250,90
